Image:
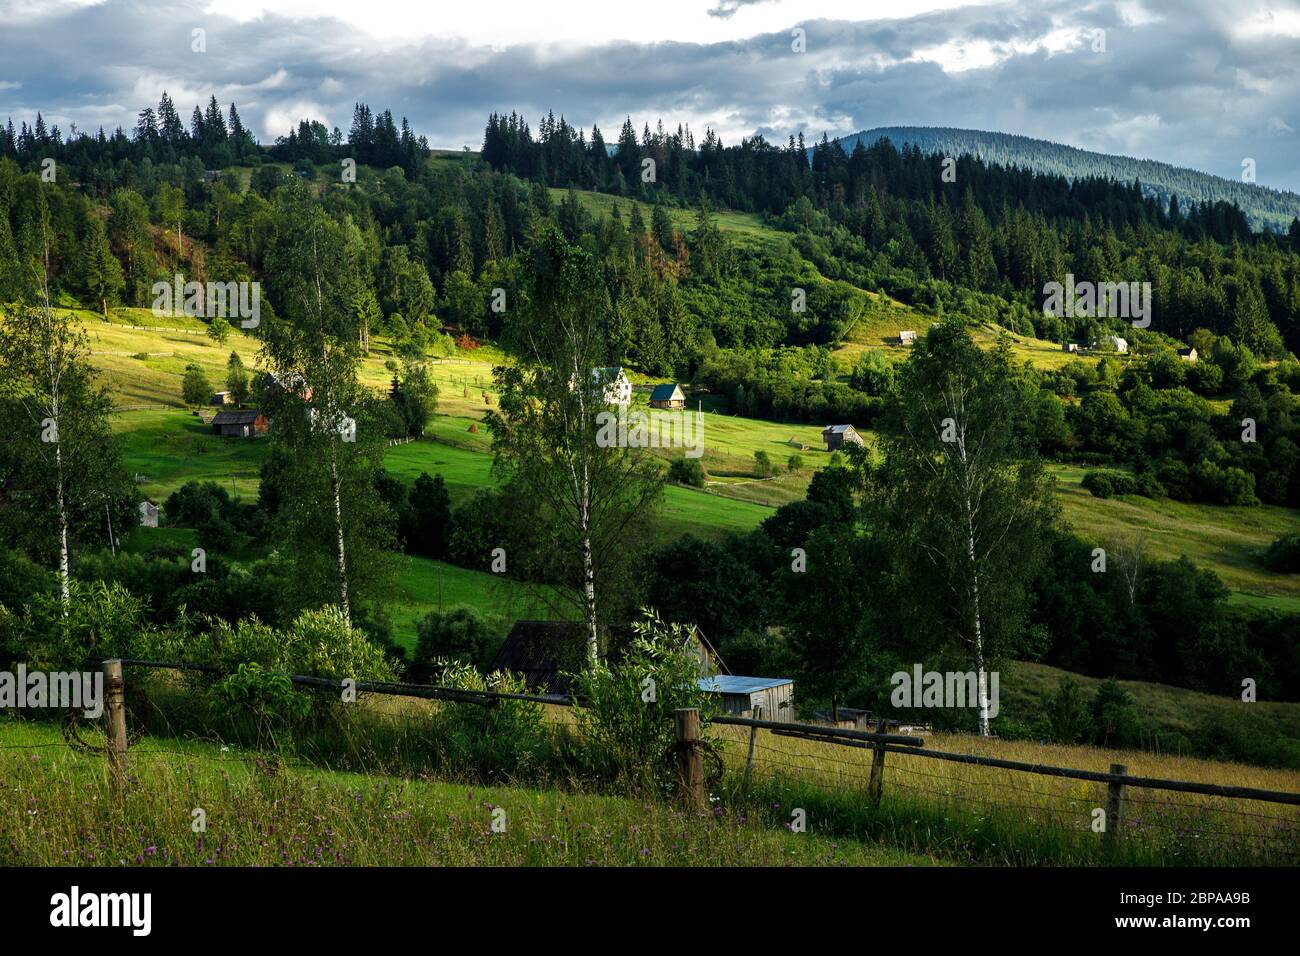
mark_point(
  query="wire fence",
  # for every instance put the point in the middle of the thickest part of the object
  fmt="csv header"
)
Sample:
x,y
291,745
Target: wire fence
x,y
877,768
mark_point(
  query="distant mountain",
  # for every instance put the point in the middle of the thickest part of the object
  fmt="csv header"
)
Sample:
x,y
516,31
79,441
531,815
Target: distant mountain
x,y
1266,208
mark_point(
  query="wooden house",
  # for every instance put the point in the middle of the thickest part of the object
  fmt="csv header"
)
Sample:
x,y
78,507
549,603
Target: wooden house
x,y
836,435
1069,346
1187,355
248,423
148,514
223,398
906,337
669,395
286,383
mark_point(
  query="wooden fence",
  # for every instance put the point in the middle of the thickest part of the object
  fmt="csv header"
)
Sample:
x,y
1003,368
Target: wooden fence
x,y
690,748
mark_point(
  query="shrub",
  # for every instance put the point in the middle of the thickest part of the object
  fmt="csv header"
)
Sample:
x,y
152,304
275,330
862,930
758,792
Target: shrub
x,y
460,635
763,465
794,464
687,471
507,739
624,723
1106,484
1283,555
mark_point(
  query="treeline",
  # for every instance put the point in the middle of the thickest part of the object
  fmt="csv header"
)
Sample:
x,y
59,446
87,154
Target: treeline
x,y
213,139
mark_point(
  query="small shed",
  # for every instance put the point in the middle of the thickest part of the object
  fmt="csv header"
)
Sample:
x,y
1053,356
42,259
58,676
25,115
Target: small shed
x,y
1187,355
669,395
743,696
148,514
249,423
836,435
1069,346
906,337
223,398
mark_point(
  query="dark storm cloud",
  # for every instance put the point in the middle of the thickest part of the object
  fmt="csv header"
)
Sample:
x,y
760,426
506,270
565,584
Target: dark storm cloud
x,y
1192,87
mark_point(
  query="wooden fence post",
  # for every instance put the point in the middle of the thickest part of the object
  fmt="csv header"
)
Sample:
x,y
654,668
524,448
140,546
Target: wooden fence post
x,y
115,707
877,781
690,760
749,761
1114,808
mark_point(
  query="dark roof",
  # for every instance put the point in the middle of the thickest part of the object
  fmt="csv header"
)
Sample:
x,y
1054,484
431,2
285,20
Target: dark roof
x,y
246,416
542,651
663,393
838,429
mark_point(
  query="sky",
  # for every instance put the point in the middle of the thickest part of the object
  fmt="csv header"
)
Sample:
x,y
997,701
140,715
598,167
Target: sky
x,y
1198,83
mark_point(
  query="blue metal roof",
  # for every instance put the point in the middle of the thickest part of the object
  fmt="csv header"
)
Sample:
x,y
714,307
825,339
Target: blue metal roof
x,y
734,684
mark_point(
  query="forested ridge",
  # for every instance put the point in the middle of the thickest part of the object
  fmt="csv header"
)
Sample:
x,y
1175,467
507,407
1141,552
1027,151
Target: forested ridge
x,y
1264,207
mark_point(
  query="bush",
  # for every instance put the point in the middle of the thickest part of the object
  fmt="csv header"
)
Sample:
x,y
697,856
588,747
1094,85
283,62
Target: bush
x,y
687,471
794,464
625,727
1283,555
1106,484
505,740
763,465
460,635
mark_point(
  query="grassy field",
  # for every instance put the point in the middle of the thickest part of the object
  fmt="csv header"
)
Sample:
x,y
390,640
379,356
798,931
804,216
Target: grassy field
x,y
59,810
1227,540
167,447
744,226
427,585
1170,712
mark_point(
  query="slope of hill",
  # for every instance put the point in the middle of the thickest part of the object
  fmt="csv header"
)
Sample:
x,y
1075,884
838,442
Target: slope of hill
x,y
1271,208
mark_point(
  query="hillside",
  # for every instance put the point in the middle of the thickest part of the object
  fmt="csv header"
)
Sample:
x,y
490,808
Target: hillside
x,y
1270,208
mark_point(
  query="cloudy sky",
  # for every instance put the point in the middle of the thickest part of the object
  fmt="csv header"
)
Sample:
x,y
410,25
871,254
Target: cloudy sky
x,y
1200,83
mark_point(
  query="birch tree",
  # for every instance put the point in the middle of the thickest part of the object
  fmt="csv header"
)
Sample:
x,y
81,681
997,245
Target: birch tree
x,y
965,503
589,503
57,455
336,528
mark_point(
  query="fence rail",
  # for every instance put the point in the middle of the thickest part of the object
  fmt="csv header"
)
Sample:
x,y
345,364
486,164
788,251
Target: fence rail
x,y
690,749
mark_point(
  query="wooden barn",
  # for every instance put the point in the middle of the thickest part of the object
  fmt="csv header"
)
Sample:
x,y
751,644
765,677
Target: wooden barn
x,y
223,398
249,423
542,652
836,435
744,696
148,514
906,336
669,395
